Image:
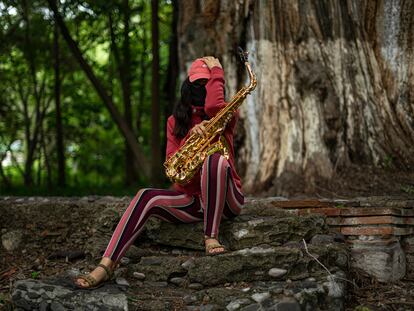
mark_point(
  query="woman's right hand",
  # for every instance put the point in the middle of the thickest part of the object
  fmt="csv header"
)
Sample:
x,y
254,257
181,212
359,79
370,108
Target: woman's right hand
x,y
211,62
200,128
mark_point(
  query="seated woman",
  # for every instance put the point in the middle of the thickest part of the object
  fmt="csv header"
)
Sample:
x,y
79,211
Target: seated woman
x,y
214,192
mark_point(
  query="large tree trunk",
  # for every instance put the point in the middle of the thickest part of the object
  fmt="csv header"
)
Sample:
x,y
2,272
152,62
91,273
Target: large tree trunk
x,y
335,83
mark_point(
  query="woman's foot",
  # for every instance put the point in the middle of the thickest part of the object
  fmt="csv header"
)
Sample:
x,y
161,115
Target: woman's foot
x,y
100,274
213,246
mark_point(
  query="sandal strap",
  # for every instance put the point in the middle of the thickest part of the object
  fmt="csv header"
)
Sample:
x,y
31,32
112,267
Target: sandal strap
x,y
214,245
108,272
89,279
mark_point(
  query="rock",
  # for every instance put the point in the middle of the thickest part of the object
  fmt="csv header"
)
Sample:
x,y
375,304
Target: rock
x,y
236,304
178,281
243,265
59,294
188,263
287,305
246,232
125,261
121,281
159,268
139,275
276,272
322,239
11,240
56,306
189,299
196,286
260,297
385,261
252,307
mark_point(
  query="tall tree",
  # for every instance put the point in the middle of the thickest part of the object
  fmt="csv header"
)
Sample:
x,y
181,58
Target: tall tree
x,y
123,126
59,128
155,113
335,83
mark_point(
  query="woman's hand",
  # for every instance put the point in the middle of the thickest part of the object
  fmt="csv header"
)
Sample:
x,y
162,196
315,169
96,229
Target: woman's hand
x,y
200,128
211,62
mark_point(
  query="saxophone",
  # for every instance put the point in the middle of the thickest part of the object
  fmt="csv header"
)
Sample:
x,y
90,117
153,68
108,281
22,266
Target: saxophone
x,y
185,162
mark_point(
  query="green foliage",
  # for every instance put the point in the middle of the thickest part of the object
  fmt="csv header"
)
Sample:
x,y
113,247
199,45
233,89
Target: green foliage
x,y
94,147
35,274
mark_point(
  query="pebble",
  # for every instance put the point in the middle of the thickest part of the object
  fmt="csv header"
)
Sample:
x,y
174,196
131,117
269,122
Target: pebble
x,y
177,281
121,281
11,240
277,273
176,252
236,304
188,263
125,261
259,297
196,286
189,298
139,275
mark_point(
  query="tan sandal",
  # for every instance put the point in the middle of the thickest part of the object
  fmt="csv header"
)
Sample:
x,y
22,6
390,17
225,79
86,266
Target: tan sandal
x,y
213,245
92,282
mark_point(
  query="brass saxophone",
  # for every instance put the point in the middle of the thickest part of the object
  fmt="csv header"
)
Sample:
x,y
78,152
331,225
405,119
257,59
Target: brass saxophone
x,y
185,162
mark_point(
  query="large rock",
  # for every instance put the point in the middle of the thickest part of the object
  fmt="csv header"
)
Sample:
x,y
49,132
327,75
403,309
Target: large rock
x,y
383,259
253,264
243,231
60,294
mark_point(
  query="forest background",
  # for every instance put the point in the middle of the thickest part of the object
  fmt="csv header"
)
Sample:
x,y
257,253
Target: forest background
x,y
86,87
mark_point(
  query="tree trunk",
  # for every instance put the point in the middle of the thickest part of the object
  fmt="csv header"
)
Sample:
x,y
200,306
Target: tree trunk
x,y
335,83
155,112
123,127
59,128
170,86
130,176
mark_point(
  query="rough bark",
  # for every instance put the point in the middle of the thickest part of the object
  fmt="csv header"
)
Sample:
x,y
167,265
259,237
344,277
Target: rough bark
x,y
335,83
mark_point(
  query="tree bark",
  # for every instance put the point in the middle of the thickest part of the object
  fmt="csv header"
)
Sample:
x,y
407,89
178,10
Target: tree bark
x,y
125,130
335,83
59,128
155,111
170,86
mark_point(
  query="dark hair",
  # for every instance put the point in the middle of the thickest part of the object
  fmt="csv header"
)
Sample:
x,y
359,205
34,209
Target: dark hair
x,y
182,111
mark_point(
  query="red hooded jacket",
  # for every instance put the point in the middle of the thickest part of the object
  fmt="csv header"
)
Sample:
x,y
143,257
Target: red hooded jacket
x,y
214,103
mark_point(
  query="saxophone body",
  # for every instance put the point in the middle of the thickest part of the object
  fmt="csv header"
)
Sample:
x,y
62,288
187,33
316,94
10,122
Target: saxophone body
x,y
185,162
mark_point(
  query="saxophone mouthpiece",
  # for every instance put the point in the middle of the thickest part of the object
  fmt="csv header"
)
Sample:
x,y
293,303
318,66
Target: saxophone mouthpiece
x,y
243,55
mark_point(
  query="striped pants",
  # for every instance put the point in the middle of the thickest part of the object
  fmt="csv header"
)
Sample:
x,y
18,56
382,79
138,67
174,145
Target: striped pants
x,y
219,198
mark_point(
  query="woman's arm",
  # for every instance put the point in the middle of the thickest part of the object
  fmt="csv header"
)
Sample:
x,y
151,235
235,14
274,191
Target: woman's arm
x,y
214,87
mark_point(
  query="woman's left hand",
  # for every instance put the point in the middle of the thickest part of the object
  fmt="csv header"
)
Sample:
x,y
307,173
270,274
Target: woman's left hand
x,y
200,128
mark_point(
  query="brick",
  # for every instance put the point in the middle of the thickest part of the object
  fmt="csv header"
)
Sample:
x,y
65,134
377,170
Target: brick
x,y
371,220
379,241
291,204
371,230
329,211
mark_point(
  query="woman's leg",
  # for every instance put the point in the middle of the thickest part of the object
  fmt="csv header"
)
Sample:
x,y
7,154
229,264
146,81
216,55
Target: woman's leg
x,y
169,205
219,193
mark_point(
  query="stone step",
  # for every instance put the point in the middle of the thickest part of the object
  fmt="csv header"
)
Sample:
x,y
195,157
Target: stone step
x,y
249,264
243,231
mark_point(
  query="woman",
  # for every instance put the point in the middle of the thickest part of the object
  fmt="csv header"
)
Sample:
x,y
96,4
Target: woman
x,y
214,192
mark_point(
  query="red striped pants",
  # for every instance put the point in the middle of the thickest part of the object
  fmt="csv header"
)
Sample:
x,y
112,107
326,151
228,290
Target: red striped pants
x,y
220,197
